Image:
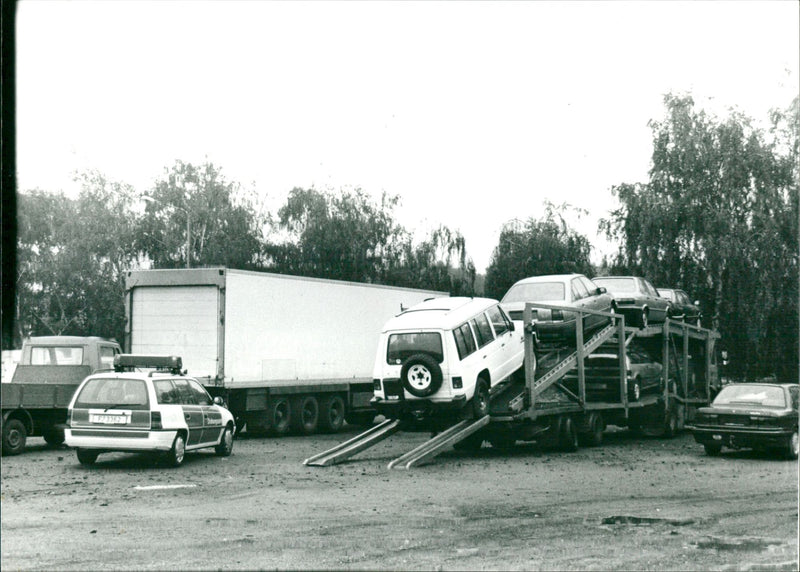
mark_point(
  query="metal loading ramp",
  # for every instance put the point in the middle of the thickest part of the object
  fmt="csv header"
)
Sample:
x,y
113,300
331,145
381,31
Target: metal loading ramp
x,y
365,440
429,449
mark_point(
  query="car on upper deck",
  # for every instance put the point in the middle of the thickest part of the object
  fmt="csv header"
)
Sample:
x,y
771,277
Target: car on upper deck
x,y
160,410
570,290
636,298
445,354
681,306
750,416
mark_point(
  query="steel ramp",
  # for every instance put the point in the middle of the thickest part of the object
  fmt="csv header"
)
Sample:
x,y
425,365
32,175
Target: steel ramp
x,y
355,445
429,449
570,362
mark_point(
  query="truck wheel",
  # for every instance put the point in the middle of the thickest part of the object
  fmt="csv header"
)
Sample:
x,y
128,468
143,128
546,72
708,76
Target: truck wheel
x,y
280,415
671,425
331,413
86,456
225,447
360,418
257,423
712,449
178,452
14,436
480,400
568,440
634,390
503,441
421,375
53,436
472,443
594,438
305,414
791,447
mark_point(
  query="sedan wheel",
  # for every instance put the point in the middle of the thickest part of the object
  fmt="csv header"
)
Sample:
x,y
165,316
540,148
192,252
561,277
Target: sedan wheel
x,y
792,449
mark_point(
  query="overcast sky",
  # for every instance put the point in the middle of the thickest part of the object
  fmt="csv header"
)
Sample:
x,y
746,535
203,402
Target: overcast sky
x,y
474,113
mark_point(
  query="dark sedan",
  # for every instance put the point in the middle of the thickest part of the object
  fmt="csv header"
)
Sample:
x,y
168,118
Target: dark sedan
x,y
681,306
750,416
636,298
569,290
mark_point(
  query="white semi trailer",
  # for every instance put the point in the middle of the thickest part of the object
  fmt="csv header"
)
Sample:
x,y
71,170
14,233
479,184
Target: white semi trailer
x,y
286,353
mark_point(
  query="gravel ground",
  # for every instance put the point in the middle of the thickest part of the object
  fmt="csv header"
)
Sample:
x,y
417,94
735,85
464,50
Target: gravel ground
x,y
632,504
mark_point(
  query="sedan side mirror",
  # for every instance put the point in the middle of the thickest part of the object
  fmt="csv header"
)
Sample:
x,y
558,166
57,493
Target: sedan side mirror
x,y
697,303
602,290
219,401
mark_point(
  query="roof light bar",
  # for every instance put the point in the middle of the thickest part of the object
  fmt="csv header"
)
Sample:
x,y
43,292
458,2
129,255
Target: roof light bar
x,y
133,361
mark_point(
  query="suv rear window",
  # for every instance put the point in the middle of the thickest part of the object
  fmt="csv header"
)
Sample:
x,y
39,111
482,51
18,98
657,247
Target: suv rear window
x,y
113,393
401,346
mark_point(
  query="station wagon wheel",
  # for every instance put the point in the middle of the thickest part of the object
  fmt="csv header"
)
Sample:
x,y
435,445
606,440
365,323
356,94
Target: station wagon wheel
x,y
225,447
178,451
53,436
712,449
86,457
421,375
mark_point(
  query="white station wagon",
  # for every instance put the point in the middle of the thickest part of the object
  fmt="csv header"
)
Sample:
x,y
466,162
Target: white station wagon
x,y
140,411
445,354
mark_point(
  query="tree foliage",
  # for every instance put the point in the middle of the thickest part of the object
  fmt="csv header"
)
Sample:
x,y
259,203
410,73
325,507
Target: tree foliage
x,y
536,247
224,225
718,218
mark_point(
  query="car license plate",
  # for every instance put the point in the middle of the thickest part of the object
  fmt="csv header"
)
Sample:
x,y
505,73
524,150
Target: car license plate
x,y
717,437
109,419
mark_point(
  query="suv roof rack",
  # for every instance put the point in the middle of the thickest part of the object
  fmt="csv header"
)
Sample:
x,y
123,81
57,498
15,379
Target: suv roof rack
x,y
129,362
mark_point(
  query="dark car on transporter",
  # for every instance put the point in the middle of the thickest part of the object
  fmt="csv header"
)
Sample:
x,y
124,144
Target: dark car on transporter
x,y
750,416
681,306
567,290
636,298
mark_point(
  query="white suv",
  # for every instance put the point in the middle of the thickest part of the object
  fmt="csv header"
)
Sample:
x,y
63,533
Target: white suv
x,y
444,353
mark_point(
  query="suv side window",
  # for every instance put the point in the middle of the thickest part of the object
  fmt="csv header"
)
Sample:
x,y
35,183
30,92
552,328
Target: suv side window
x,y
465,343
499,321
185,393
483,331
200,394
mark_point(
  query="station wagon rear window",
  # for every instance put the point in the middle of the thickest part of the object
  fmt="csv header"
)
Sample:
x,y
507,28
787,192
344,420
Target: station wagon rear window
x,y
112,393
536,292
401,346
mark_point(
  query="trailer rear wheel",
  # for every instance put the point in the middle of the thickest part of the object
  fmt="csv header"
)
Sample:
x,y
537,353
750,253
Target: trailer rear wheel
x,y
14,436
280,415
568,440
305,414
331,411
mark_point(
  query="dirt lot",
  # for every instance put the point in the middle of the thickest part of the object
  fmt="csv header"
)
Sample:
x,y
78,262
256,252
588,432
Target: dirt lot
x,y
632,504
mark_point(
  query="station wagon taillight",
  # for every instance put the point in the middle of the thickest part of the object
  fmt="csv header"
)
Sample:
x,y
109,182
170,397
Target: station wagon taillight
x,y
155,420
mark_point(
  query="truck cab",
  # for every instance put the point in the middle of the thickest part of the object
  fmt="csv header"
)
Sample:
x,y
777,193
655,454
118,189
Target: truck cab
x,y
35,400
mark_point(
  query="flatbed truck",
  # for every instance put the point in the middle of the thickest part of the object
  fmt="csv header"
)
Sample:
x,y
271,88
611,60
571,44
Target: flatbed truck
x,y
286,353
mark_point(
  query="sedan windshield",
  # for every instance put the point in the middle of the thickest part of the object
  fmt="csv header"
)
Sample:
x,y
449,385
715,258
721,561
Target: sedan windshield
x,y
617,284
768,396
536,292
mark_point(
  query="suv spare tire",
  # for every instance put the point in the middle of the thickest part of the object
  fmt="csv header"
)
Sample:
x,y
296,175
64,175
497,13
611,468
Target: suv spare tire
x,y
421,375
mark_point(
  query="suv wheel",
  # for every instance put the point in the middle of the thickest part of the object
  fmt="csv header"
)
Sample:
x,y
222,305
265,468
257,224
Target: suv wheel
x,y
480,400
421,375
